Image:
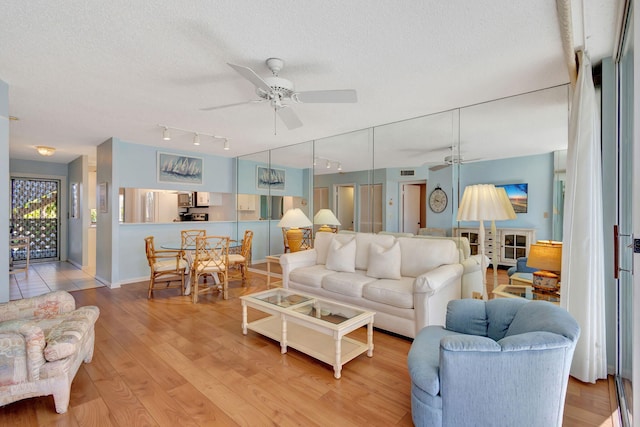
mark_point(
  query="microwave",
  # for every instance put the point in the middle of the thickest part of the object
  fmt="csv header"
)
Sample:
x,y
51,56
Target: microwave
x,y
185,200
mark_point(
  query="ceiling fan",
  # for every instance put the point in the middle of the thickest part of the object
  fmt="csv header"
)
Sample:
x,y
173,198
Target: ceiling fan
x,y
275,90
452,159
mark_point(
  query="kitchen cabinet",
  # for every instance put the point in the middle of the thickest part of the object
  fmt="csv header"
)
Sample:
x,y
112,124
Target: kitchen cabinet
x,y
247,202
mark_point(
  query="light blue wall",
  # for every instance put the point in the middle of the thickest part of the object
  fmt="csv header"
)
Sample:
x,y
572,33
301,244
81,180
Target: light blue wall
x,y
4,191
121,246
38,168
537,171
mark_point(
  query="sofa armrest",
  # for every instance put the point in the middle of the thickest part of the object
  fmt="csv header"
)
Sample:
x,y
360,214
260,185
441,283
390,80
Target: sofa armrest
x,y
22,339
293,260
468,343
432,281
42,306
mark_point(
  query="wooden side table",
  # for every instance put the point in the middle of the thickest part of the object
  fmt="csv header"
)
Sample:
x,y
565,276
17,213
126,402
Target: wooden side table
x,y
521,279
270,259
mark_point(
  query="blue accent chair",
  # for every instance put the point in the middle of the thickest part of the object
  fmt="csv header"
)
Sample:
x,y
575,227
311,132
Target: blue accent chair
x,y
503,362
521,267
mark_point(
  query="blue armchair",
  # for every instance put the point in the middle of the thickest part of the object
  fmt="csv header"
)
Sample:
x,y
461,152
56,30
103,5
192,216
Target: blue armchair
x,y
503,362
521,267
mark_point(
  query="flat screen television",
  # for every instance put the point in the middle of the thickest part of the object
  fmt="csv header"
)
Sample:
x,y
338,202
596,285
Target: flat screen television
x,y
518,195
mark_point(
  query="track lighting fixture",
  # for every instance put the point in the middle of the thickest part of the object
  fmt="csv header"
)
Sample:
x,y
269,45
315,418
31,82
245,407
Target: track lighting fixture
x,y
328,163
166,135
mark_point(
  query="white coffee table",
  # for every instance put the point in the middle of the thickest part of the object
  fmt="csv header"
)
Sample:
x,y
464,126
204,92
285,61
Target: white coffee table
x,y
312,325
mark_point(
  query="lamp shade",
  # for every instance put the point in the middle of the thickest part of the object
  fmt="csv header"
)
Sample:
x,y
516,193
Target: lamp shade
x,y
294,218
325,217
545,256
506,203
483,202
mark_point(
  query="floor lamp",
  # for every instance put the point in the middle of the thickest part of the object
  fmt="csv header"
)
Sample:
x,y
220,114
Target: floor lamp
x,y
510,214
482,202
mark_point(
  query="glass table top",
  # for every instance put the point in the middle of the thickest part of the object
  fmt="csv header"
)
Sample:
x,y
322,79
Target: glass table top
x,y
306,305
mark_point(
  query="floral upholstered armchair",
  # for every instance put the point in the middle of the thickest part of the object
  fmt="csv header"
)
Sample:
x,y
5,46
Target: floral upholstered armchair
x,y
43,341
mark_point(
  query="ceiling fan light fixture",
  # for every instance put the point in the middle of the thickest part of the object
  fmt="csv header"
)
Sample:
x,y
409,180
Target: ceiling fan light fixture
x,y
45,151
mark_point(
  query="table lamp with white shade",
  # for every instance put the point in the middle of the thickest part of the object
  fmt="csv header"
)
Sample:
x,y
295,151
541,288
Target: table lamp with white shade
x,y
482,202
326,218
292,220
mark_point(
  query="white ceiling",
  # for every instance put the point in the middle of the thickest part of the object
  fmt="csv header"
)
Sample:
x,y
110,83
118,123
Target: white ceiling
x,y
81,72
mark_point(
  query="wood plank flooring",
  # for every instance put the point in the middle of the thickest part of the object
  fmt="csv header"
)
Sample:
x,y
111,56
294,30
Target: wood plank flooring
x,y
166,361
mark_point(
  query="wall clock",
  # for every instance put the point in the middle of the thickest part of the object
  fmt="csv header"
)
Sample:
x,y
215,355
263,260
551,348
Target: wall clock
x,y
438,200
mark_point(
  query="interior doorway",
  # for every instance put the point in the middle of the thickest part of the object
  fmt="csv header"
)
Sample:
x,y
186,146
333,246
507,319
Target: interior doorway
x,y
413,215
345,211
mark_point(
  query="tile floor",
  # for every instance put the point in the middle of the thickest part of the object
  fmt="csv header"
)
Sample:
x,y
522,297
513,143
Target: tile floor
x,y
49,276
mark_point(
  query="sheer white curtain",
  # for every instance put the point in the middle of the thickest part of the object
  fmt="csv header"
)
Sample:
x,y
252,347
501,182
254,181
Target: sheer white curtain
x,y
582,250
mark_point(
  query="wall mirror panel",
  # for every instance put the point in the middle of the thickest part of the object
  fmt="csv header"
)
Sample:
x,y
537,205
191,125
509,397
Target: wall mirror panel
x,y
510,140
344,180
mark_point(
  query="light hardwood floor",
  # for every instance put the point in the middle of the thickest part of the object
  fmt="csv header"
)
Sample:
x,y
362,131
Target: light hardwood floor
x,y
166,361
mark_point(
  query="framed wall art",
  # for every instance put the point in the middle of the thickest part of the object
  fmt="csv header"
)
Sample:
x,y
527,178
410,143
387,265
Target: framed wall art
x,y
270,178
181,169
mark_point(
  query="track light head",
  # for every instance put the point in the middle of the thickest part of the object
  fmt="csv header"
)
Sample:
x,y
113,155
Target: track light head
x,y
226,144
166,135
196,139
328,165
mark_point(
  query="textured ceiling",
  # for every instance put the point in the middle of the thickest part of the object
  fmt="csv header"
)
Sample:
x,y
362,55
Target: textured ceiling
x,y
82,72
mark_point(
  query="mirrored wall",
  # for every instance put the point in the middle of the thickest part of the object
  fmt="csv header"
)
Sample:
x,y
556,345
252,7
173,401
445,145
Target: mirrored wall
x,y
380,179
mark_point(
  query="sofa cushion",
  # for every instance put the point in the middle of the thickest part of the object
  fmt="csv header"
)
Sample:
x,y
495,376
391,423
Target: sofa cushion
x,y
422,255
467,316
384,263
398,293
342,256
350,284
64,339
363,241
323,240
310,276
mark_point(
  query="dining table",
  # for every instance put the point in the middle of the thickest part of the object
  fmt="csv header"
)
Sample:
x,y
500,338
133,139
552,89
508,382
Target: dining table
x,y
190,251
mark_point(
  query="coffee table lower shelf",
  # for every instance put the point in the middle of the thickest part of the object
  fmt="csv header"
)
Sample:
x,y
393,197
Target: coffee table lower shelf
x,y
333,351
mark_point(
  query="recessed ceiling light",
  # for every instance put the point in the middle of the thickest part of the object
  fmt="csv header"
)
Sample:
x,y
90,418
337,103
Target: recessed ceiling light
x,y
45,151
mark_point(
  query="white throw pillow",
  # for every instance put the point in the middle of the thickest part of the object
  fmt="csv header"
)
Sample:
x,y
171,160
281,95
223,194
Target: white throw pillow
x,y
384,263
342,257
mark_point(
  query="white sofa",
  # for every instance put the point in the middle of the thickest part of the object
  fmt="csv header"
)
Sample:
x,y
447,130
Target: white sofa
x,y
472,269
406,281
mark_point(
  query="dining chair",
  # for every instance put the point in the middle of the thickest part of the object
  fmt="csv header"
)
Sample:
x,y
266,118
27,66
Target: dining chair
x,y
241,260
165,264
188,238
212,257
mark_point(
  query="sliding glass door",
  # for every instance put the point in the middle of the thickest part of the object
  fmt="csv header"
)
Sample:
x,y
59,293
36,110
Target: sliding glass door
x,y
625,330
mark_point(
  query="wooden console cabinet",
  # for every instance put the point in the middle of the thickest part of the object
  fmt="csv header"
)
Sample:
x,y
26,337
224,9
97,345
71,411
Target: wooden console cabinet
x,y
512,243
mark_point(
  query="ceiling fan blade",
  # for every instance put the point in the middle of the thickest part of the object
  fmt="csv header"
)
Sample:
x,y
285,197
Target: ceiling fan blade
x,y
253,101
250,75
326,96
289,117
437,167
